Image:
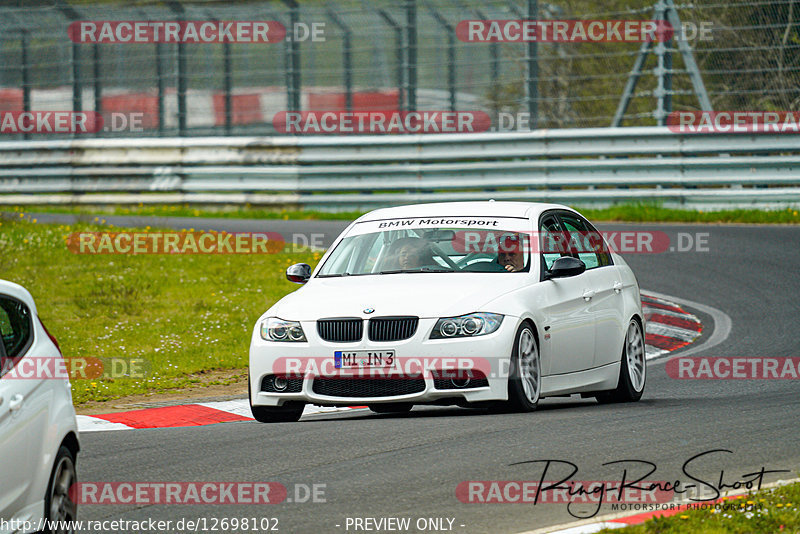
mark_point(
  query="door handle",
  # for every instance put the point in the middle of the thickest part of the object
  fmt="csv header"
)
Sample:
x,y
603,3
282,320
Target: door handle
x,y
617,287
588,294
15,402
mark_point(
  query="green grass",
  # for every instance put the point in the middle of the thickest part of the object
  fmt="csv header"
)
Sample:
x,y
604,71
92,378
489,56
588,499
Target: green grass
x,y
656,213
775,510
624,212
182,314
186,210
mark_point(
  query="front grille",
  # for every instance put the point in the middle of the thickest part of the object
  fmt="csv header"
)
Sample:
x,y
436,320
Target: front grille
x,y
341,330
367,387
392,328
295,385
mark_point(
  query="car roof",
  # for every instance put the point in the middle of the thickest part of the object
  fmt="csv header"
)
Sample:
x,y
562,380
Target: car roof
x,y
17,291
476,209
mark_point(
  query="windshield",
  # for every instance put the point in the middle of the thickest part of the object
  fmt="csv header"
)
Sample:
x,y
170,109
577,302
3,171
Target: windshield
x,y
429,248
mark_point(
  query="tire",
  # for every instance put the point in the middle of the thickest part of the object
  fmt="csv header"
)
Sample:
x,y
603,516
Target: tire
x,y
391,407
525,372
632,369
58,503
290,412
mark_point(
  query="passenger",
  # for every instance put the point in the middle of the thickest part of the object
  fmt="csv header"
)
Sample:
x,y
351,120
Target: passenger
x,y
411,253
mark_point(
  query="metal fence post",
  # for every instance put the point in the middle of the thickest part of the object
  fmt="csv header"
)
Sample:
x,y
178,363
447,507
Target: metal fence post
x,y
226,50
451,53
160,84
411,55
532,70
98,89
25,72
293,66
77,97
398,32
177,8
347,59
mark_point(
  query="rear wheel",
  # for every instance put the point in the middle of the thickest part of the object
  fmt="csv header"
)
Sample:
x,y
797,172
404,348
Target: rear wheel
x,y
632,369
290,412
58,503
391,407
525,372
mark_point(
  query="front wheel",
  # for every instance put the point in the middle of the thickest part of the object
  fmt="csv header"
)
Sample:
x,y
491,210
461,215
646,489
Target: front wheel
x,y
290,412
525,372
632,369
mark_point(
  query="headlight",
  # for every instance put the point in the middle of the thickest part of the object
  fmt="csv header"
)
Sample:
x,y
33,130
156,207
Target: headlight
x,y
274,329
473,324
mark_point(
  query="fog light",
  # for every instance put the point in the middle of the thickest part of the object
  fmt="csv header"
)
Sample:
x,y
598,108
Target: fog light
x,y
460,382
280,383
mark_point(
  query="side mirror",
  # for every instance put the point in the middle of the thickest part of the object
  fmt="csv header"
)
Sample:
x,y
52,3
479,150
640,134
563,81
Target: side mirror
x,y
299,273
565,266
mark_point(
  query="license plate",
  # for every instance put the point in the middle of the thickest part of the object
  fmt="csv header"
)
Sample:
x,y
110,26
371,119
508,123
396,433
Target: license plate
x,y
364,359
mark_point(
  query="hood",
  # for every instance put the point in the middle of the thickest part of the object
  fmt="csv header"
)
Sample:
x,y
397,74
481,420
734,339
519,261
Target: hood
x,y
421,294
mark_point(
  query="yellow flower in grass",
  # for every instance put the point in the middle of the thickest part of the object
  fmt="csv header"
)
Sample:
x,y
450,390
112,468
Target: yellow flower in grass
x,y
684,517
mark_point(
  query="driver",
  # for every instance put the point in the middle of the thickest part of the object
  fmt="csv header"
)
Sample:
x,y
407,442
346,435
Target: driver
x,y
510,255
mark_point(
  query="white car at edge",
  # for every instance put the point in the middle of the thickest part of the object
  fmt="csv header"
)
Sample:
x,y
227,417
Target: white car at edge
x,y
495,304
38,431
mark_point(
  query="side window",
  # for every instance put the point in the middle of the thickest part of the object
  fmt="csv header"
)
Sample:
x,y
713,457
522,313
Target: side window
x,y
586,241
15,330
551,247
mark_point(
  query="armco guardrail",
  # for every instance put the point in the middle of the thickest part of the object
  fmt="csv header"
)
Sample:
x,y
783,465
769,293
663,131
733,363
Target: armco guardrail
x,y
584,166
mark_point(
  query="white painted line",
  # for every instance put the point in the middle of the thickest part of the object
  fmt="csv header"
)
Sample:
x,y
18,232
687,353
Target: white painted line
x,y
660,311
236,406
675,332
653,352
722,324
242,407
87,423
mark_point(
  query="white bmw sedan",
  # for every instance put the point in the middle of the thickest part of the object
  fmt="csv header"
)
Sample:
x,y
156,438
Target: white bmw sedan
x,y
38,431
485,304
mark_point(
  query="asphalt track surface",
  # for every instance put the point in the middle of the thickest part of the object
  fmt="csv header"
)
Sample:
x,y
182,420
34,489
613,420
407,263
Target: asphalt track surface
x,y
409,465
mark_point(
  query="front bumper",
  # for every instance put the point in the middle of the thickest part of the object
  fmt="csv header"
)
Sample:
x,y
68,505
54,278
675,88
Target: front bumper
x,y
489,354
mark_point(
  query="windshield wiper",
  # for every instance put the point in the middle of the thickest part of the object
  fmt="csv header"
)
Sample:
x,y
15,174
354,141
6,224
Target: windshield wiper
x,y
417,270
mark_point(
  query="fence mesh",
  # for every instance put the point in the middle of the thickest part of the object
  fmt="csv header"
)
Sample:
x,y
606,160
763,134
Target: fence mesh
x,y
748,58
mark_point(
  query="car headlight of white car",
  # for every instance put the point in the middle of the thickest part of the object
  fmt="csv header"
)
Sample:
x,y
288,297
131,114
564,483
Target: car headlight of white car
x,y
470,325
275,329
